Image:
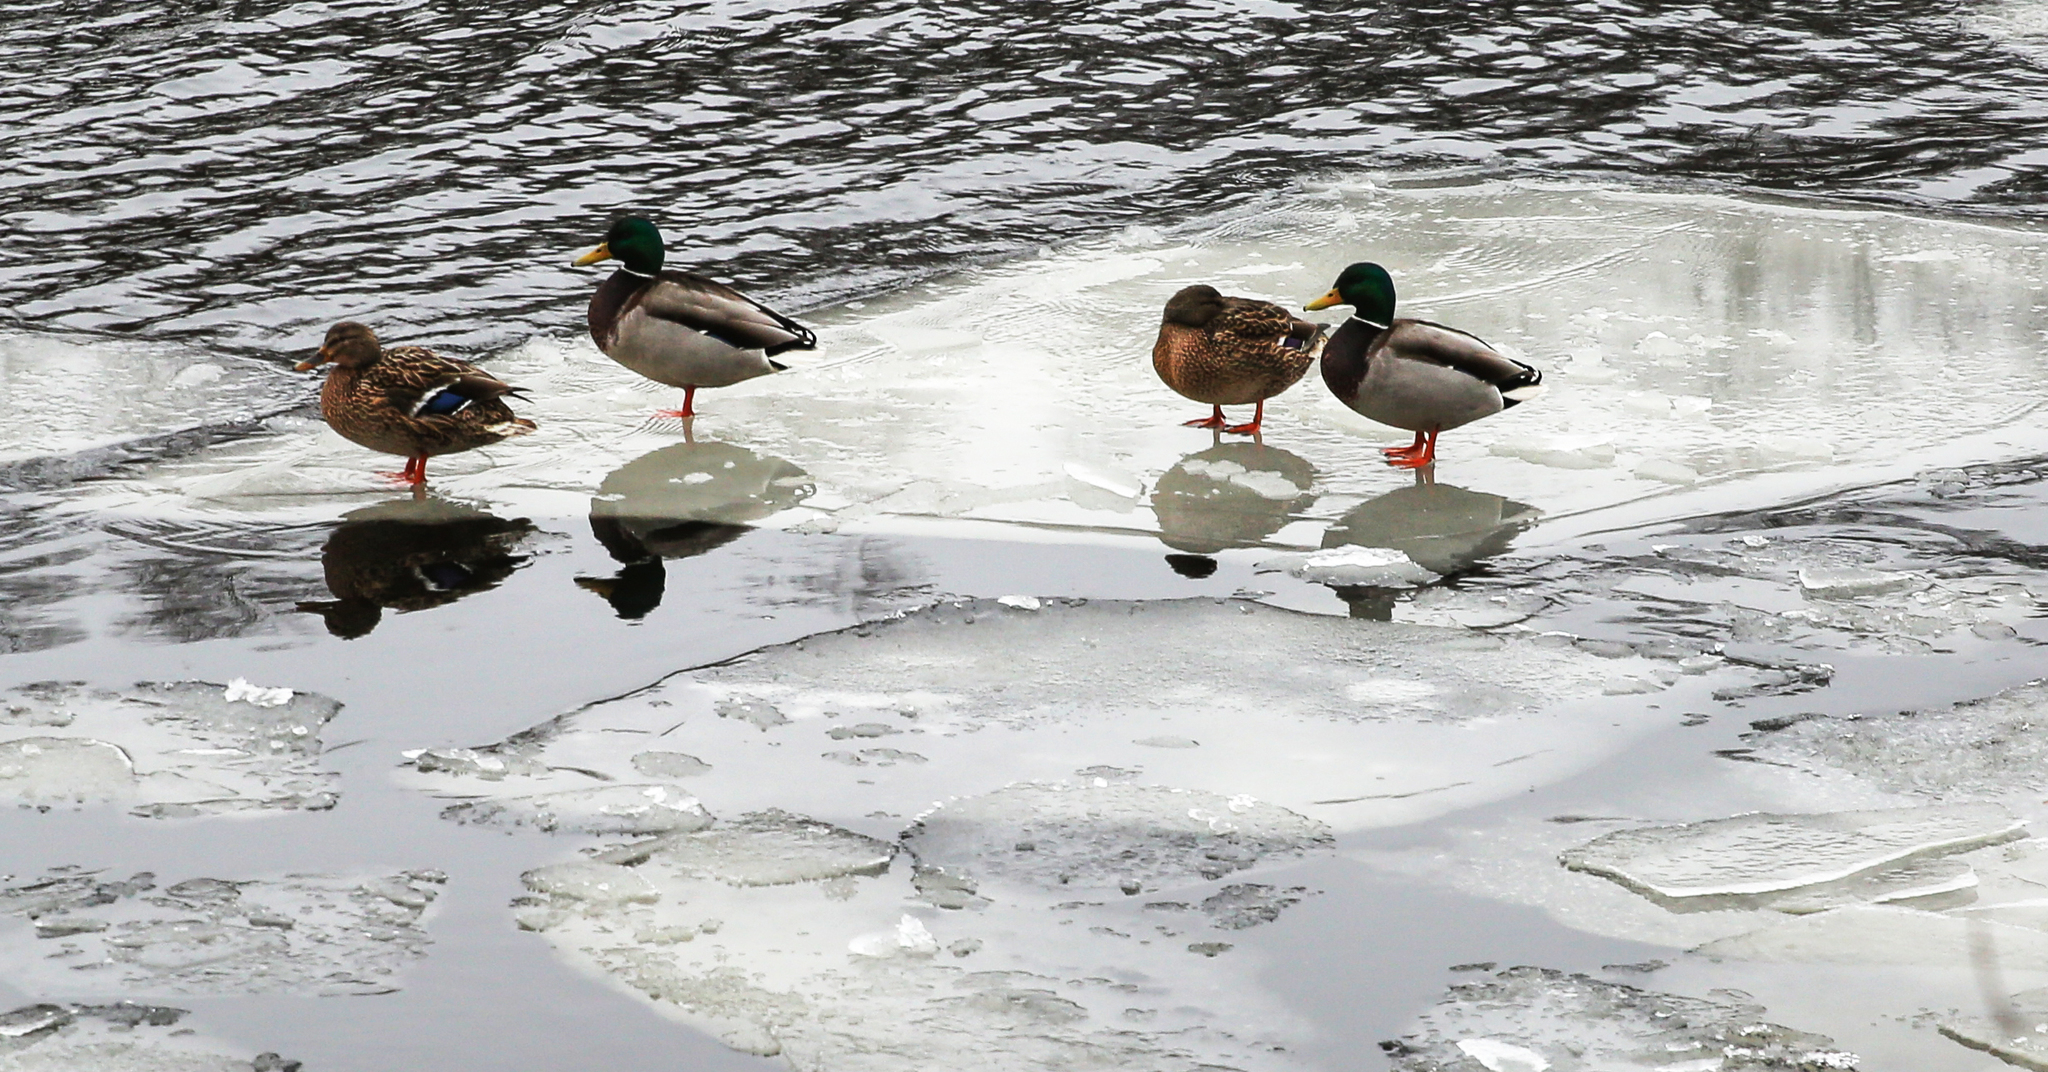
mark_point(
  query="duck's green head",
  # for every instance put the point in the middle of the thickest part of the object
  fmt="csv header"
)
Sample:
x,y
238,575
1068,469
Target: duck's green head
x,y
634,242
1366,287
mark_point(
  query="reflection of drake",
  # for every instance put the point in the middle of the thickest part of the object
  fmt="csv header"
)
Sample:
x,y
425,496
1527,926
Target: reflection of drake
x,y
680,501
1445,529
411,554
1231,495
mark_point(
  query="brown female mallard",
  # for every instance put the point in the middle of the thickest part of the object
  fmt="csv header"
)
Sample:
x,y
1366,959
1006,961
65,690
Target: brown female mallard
x,y
1231,352
1413,374
409,400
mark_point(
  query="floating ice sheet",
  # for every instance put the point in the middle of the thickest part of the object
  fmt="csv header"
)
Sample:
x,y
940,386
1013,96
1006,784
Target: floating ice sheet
x,y
1765,853
1534,1019
1888,934
1348,721
310,934
783,935
167,750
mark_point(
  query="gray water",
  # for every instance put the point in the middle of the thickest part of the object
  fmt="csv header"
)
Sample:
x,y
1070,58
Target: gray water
x,y
1771,544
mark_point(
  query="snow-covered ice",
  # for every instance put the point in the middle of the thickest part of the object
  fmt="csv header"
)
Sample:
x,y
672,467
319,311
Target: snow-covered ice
x,y
119,1037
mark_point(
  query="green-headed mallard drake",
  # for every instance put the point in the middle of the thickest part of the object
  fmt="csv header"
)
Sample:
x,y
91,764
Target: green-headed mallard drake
x,y
1231,352
680,329
409,400
1411,373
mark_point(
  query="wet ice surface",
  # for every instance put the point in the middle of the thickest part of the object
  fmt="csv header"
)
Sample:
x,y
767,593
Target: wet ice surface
x,y
854,723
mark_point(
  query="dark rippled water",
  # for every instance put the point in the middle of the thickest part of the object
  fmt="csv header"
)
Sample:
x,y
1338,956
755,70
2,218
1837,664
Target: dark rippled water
x,y
244,173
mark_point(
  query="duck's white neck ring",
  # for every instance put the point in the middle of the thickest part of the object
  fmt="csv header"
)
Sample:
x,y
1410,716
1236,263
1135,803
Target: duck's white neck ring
x,y
629,271
1374,323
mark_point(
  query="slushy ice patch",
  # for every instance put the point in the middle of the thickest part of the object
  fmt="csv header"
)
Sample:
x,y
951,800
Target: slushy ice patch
x,y
167,750
1537,1019
310,934
122,1037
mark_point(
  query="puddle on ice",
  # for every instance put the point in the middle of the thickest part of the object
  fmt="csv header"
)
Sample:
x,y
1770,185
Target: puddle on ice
x,y
165,750
299,934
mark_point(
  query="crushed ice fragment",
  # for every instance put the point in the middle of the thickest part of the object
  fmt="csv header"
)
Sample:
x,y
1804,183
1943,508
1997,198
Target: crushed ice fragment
x,y
768,848
1020,602
240,689
1209,949
910,938
668,765
1849,582
1164,741
1500,1056
1560,452
1768,853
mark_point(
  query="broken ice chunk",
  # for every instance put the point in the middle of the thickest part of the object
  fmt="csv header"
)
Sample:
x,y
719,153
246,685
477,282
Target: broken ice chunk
x,y
2019,1037
1380,567
1020,602
634,810
909,939
768,848
1765,853
1560,452
1094,838
1531,1019
64,769
1979,749
240,689
1849,582
1248,904
593,883
668,765
1500,1056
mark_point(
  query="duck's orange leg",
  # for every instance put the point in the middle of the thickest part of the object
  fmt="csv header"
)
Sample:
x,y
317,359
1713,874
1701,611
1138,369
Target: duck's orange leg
x,y
1416,461
1215,420
415,471
1251,429
689,406
1408,451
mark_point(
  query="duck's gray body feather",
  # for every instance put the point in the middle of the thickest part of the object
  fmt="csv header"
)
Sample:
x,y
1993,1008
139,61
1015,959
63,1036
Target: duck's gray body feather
x,y
1421,376
687,331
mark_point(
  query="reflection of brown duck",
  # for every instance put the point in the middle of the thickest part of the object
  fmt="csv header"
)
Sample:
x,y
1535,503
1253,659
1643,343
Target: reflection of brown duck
x,y
1445,529
411,554
680,501
1231,495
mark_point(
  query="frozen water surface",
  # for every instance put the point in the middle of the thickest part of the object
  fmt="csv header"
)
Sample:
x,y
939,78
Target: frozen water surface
x,y
944,703
122,1037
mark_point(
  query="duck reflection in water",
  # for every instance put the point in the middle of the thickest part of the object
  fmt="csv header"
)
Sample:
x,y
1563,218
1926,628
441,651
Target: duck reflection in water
x,y
1445,529
412,554
677,502
1231,495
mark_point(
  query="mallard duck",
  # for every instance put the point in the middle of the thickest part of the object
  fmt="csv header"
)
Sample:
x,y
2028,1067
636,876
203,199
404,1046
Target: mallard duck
x,y
1411,373
1231,352
409,400
680,329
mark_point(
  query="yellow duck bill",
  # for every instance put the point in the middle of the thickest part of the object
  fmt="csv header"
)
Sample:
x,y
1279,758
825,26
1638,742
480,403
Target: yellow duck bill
x,y
601,253
1324,302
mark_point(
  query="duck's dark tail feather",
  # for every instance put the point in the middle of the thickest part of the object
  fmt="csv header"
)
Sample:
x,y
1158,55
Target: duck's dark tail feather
x,y
1522,388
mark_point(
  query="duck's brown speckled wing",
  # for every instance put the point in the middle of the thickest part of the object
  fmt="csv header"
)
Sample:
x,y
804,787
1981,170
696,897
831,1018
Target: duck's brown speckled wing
x,y
1247,353
406,376
711,308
